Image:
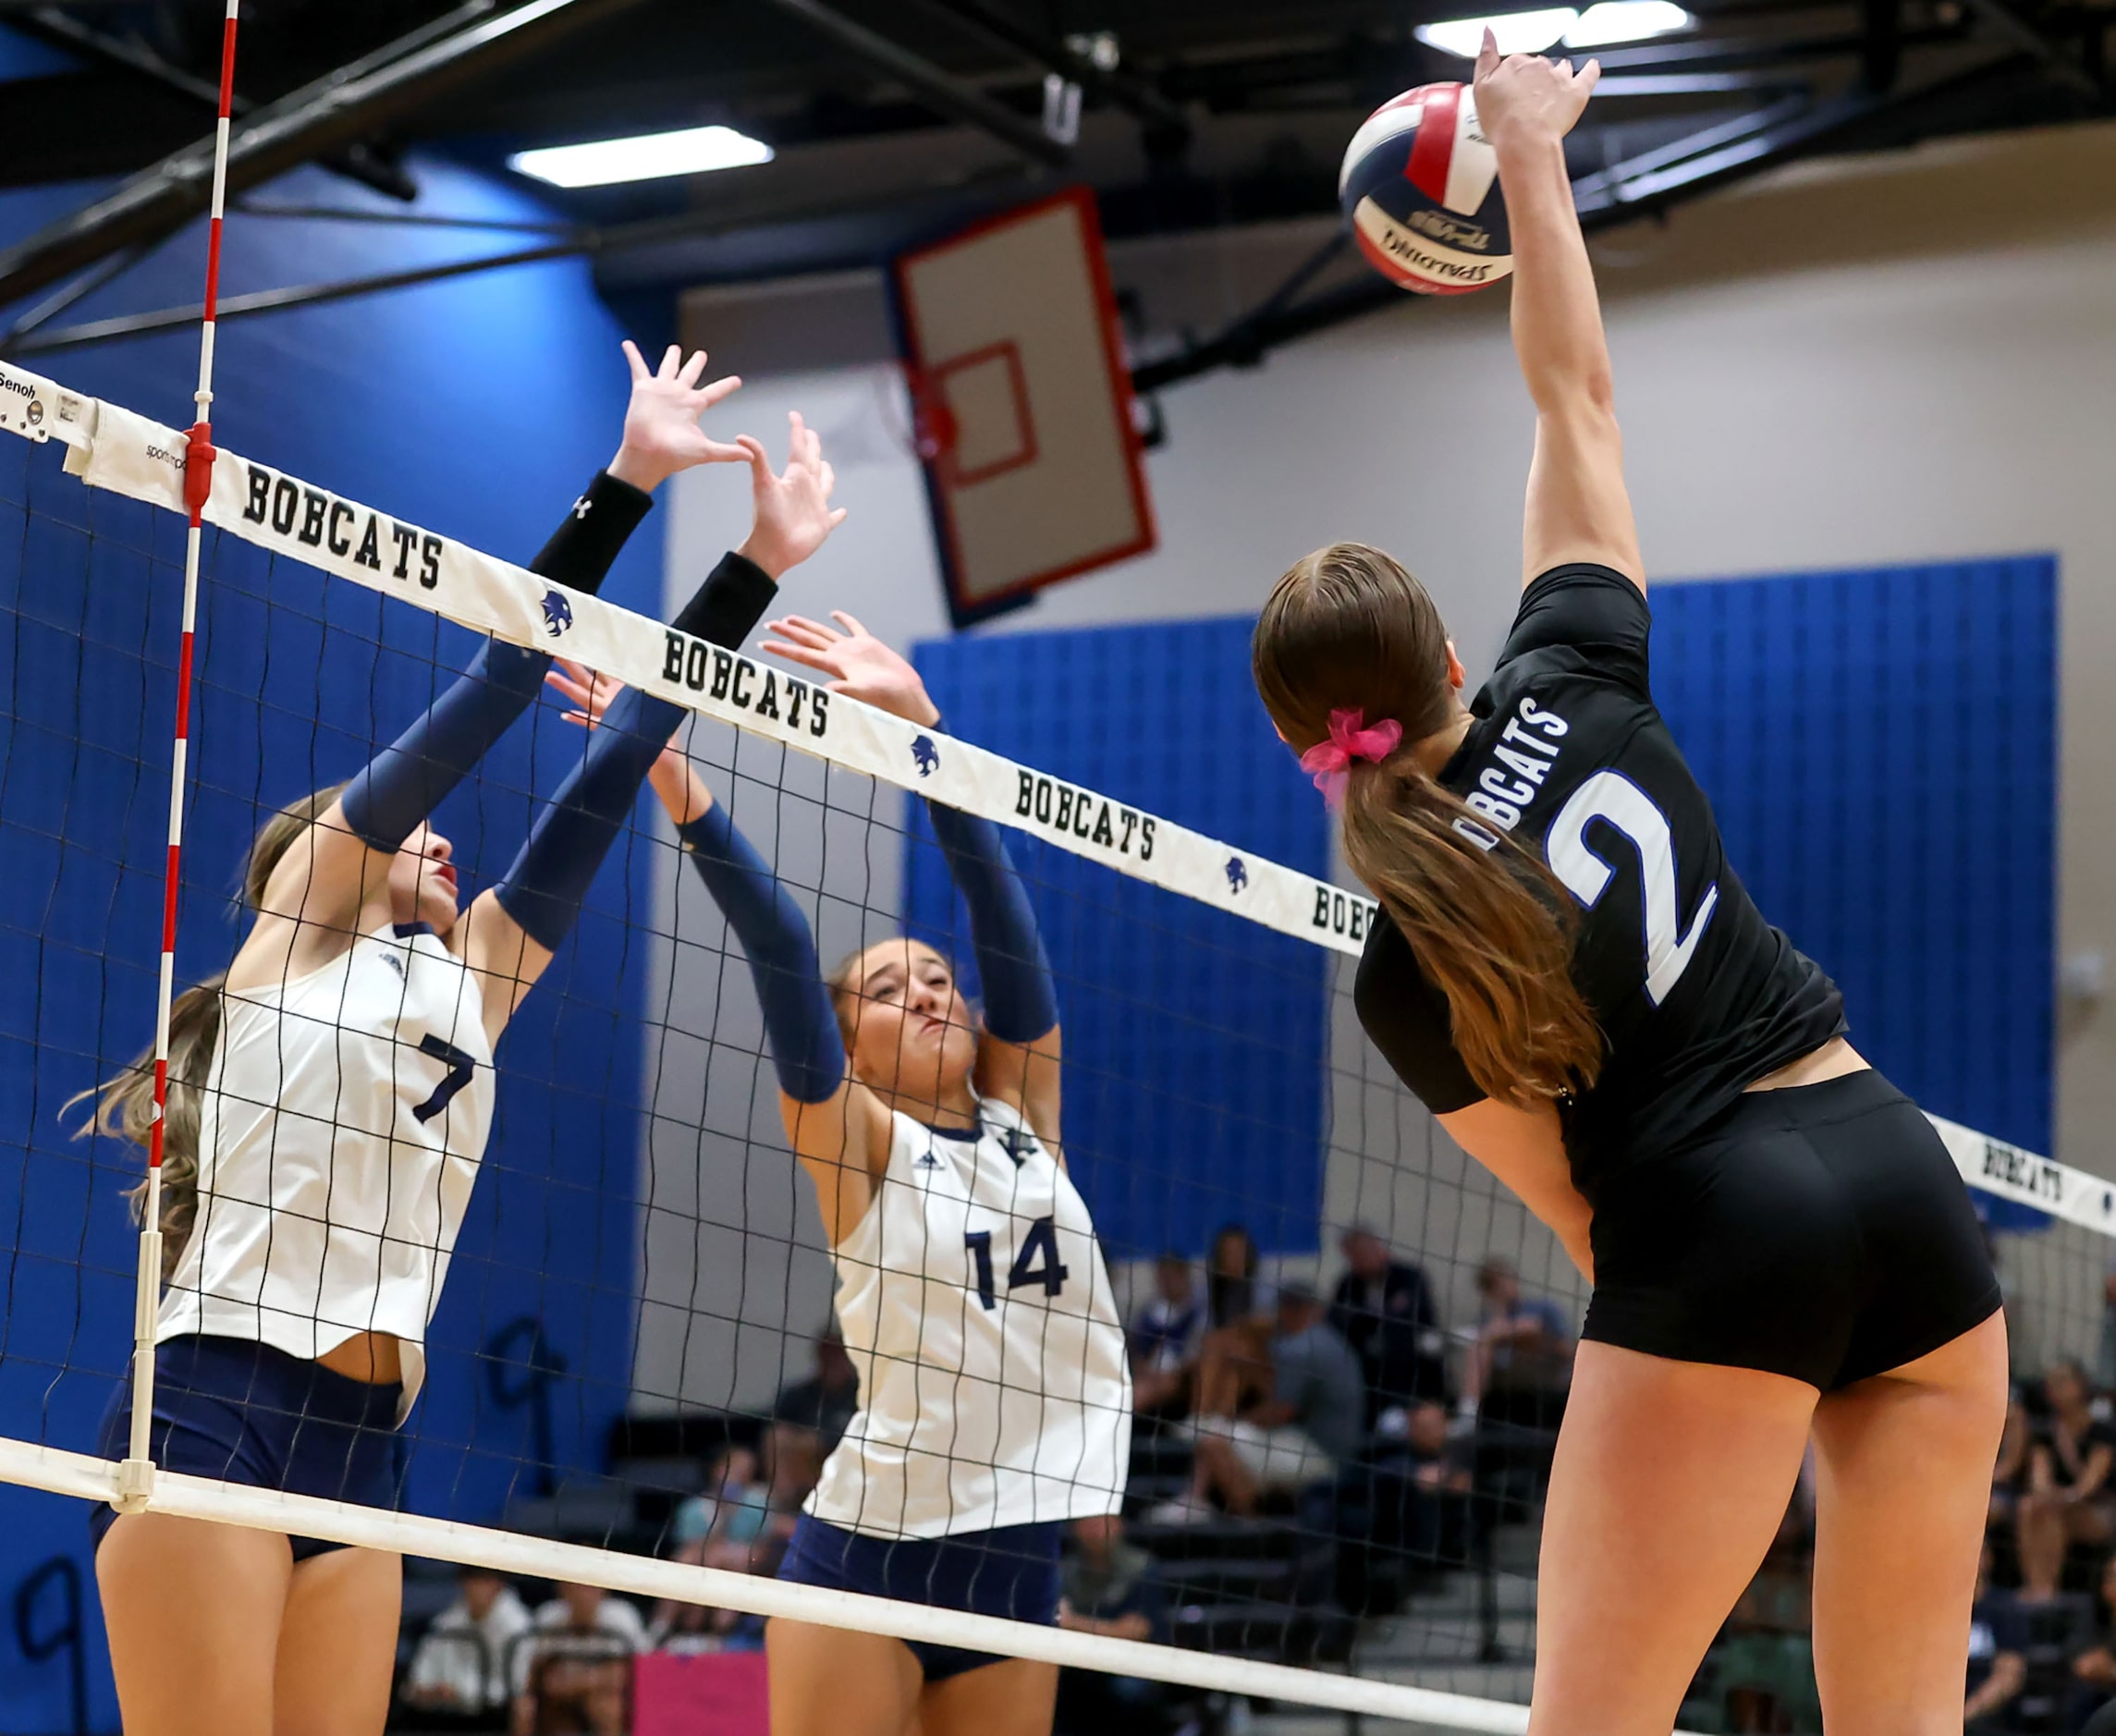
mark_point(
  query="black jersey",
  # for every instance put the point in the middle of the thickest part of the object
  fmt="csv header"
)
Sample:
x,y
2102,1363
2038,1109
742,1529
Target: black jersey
x,y
1697,997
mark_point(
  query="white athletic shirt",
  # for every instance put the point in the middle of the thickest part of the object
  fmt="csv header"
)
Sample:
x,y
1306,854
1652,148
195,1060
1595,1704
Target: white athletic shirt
x,y
993,1388
343,1121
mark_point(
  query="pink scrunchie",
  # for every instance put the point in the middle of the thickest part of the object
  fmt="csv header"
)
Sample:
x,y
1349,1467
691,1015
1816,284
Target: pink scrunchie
x,y
1350,738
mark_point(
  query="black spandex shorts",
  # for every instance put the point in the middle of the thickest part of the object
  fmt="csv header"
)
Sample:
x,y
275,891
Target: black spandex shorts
x,y
1819,1231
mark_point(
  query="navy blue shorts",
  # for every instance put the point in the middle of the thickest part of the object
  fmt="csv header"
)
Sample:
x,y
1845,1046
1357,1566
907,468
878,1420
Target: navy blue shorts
x,y
1013,1572
246,1412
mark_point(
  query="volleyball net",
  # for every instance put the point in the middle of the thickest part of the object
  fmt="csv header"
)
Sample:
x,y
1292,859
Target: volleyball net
x,y
631,1374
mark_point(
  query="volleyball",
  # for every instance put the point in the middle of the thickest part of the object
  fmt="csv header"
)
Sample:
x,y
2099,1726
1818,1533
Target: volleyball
x,y
1420,185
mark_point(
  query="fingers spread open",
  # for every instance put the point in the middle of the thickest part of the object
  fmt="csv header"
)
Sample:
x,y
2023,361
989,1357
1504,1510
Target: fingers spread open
x,y
692,370
635,362
802,654
712,393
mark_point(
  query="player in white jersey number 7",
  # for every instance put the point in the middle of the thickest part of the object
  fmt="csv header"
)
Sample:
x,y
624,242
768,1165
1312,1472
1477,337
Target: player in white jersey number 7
x,y
331,1094
994,1400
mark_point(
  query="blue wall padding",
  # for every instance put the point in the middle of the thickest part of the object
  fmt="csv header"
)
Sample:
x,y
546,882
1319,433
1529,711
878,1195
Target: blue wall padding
x,y
1195,1042
401,401
1881,747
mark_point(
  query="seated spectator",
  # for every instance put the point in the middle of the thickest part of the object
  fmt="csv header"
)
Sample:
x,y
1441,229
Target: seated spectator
x,y
1998,1656
460,1667
1309,1416
1766,1655
1109,1586
1235,1293
573,1675
729,1478
2069,1498
824,1403
1384,1308
1165,1338
1240,1311
751,1526
732,1493
2094,1670
1434,1466
2010,1473
1520,1363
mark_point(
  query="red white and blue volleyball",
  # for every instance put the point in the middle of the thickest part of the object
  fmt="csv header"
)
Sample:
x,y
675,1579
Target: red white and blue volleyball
x,y
1420,185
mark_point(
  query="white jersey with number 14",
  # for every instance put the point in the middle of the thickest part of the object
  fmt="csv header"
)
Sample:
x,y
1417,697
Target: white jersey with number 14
x,y
973,1300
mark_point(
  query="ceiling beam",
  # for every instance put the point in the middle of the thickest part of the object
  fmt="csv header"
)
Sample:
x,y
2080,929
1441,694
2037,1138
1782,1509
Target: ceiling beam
x,y
935,88
1136,96
2016,33
471,42
356,162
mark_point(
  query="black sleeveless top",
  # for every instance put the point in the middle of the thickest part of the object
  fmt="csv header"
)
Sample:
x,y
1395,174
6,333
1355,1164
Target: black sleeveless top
x,y
1697,997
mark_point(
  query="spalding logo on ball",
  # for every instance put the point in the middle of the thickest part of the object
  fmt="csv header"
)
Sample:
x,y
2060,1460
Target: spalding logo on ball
x,y
1420,184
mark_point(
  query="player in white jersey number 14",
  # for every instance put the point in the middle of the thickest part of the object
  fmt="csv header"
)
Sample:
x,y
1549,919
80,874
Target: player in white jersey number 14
x,y
994,1400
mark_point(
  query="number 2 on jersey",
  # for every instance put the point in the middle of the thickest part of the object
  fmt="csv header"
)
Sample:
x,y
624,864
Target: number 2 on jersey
x,y
1613,799
1035,1262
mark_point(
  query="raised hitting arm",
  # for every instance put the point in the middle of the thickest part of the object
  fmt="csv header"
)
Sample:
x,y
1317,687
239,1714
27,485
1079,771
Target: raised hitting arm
x,y
1578,508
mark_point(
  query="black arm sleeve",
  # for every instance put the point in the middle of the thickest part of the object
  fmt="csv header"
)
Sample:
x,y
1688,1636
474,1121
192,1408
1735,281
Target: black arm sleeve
x,y
1406,1014
581,551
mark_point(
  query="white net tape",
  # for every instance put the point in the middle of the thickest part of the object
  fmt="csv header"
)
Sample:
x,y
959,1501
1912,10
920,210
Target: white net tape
x,y
112,449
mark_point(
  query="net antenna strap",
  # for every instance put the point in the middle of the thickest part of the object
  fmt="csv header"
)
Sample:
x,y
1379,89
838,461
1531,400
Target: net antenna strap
x,y
136,1476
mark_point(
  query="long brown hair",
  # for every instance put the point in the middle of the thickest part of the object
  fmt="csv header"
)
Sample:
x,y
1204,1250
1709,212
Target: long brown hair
x,y
1348,628
124,1104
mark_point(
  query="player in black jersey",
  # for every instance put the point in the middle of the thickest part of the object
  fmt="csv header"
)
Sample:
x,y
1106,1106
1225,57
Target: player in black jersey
x,y
1577,985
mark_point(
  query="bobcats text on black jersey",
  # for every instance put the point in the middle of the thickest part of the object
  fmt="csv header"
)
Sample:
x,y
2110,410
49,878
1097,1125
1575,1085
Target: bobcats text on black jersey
x,y
1696,995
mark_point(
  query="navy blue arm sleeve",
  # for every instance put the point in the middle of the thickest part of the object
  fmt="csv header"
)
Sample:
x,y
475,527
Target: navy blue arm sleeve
x,y
544,887
807,1050
405,782
1020,1001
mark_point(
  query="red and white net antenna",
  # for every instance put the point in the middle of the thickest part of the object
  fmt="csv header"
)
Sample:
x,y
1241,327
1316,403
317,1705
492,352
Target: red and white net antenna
x,y
136,1478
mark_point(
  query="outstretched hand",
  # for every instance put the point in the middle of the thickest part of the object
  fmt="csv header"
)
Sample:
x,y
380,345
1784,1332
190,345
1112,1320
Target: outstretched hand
x,y
589,695
1525,99
793,511
662,435
861,666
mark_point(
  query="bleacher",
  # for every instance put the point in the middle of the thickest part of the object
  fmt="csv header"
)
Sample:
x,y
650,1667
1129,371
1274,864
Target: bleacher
x,y
1361,1569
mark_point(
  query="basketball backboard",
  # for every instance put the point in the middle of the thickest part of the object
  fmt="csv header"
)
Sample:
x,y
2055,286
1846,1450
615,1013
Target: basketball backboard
x,y
1024,403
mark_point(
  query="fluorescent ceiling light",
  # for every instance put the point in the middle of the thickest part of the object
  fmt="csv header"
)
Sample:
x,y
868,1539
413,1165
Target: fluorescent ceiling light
x,y
694,150
1518,32
1533,32
1626,21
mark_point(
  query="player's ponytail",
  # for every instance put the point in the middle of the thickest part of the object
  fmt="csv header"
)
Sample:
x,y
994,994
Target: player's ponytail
x,y
124,1104
1349,629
